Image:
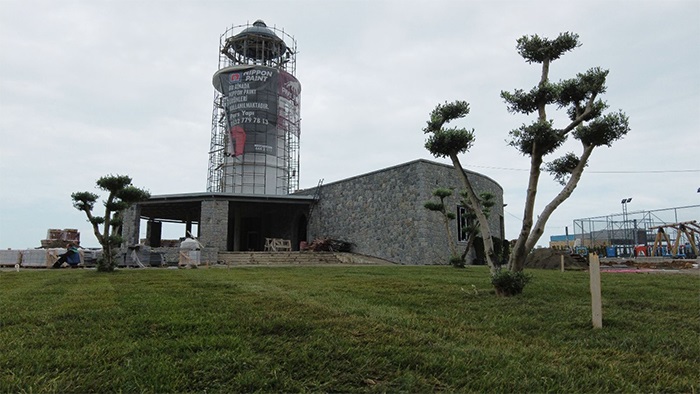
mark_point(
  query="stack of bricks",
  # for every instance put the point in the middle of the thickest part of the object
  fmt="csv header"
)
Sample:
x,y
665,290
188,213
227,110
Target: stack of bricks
x,y
57,238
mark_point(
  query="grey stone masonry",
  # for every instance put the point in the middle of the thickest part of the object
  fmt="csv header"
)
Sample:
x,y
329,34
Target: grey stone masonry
x,y
382,212
130,225
214,223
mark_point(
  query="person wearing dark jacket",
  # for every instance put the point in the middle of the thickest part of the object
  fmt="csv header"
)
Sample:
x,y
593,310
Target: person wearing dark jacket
x,y
72,257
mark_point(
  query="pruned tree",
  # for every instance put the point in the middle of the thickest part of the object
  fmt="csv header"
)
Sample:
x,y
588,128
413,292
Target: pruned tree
x,y
447,217
449,142
122,194
587,123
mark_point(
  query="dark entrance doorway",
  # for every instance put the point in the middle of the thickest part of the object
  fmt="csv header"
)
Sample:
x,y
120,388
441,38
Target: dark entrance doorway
x,y
251,234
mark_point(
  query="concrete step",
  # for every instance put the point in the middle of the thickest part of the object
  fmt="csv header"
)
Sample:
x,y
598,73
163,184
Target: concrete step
x,y
295,258
277,258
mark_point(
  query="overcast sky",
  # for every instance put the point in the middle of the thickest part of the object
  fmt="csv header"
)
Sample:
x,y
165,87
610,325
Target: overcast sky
x,y
90,88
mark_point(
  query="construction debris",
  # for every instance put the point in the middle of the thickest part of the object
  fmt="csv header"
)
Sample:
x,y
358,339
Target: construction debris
x,y
330,245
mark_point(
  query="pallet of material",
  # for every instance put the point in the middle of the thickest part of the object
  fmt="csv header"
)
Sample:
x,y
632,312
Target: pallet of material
x,y
68,234
54,233
53,243
10,257
40,257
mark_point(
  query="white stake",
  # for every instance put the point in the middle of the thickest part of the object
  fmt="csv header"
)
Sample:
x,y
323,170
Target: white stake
x,y
562,263
596,299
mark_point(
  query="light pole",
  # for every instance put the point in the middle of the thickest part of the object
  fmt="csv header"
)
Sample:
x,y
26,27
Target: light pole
x,y
624,202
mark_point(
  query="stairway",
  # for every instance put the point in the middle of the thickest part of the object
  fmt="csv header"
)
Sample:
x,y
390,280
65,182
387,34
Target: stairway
x,y
295,258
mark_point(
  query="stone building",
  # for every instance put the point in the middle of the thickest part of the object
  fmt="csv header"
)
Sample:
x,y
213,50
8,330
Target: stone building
x,y
381,213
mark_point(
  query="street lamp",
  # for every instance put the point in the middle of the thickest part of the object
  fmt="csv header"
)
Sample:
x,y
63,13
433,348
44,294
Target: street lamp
x,y
624,202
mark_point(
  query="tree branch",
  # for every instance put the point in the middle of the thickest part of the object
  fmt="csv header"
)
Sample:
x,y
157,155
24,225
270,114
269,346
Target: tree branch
x,y
559,198
95,226
582,116
108,216
541,112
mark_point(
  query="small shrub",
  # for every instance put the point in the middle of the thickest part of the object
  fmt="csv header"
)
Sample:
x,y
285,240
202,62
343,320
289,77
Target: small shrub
x,y
508,283
107,262
457,261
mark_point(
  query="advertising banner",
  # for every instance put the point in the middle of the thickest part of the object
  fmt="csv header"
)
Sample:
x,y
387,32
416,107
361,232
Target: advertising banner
x,y
259,102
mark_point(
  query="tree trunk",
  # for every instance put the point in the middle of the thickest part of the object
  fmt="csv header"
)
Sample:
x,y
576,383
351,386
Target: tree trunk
x,y
519,253
470,243
481,217
107,247
527,241
563,195
450,240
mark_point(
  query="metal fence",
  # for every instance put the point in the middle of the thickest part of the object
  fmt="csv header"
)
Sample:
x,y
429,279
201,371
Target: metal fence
x,y
628,229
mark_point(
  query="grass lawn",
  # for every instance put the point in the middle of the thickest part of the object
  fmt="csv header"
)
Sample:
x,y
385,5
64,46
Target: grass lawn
x,y
344,329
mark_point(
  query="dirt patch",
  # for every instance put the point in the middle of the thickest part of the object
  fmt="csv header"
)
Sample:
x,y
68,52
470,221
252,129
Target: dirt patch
x,y
547,258
641,263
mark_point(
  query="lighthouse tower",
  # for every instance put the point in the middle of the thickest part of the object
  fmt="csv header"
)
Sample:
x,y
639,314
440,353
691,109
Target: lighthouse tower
x,y
255,121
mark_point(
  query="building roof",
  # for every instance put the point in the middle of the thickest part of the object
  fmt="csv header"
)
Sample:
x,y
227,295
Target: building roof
x,y
410,163
187,206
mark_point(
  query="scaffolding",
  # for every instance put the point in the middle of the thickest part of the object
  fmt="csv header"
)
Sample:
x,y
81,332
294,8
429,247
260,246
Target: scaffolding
x,y
627,230
270,164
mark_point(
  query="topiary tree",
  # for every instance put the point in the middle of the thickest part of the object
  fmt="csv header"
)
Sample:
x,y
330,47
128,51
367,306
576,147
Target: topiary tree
x,y
447,217
449,142
122,194
586,122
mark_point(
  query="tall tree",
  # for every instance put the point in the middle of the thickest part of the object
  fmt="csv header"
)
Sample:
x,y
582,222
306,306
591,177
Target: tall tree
x,y
122,194
586,123
449,142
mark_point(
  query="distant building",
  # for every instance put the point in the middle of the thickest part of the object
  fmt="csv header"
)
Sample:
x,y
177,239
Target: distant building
x,y
562,241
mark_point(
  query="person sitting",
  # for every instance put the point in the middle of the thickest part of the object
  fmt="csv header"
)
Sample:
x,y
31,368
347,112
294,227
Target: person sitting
x,y
72,257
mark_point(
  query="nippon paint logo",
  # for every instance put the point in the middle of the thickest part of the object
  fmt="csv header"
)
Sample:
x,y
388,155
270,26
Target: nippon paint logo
x,y
235,77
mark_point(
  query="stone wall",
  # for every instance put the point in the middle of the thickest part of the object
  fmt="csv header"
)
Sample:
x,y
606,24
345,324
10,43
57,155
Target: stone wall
x,y
382,212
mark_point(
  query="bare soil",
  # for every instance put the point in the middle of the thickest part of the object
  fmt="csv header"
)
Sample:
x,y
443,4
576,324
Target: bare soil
x,y
547,258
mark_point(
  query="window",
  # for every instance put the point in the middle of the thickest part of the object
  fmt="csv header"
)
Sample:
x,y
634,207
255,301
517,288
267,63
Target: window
x,y
466,220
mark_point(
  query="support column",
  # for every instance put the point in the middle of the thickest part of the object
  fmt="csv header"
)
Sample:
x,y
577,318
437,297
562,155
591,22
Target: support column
x,y
130,225
188,227
213,224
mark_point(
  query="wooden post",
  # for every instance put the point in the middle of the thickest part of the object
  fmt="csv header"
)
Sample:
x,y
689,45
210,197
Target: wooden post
x,y
562,263
596,301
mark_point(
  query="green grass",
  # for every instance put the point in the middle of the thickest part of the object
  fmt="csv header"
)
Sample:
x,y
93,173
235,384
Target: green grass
x,y
344,329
